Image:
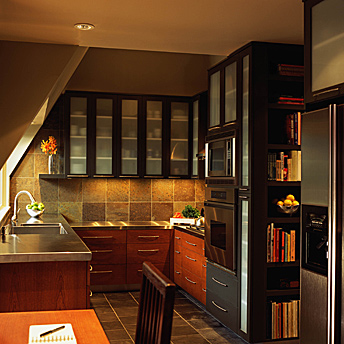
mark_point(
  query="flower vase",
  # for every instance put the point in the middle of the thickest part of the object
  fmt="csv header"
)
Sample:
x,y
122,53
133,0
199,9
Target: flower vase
x,y
51,162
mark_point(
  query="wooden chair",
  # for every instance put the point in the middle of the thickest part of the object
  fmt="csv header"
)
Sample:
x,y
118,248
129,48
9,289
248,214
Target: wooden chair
x,y
154,321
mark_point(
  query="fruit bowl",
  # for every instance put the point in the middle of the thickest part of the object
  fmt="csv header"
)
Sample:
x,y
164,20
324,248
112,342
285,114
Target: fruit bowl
x,y
291,209
33,212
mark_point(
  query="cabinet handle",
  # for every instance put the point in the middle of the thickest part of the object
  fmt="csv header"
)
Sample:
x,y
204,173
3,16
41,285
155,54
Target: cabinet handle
x,y
139,270
77,175
91,267
149,236
204,290
177,272
156,250
204,265
177,252
189,280
243,197
190,258
178,238
101,272
327,91
215,280
97,237
91,293
222,309
190,243
243,189
213,128
102,176
102,251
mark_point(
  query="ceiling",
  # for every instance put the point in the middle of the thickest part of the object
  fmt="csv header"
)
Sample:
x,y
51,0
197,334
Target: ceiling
x,y
212,27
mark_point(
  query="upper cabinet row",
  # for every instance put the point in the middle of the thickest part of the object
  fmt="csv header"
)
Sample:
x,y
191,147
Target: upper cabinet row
x,y
139,136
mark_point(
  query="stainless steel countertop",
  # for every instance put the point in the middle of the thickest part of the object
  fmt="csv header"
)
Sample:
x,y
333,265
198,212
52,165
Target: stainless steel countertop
x,y
121,225
43,247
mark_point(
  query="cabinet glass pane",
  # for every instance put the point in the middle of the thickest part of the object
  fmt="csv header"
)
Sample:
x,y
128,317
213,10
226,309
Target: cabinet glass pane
x,y
245,119
327,44
78,134
214,117
154,138
195,138
244,266
129,136
179,138
230,92
104,136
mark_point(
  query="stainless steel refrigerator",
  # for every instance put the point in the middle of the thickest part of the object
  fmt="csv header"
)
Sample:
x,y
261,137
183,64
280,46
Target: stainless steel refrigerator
x,y
321,227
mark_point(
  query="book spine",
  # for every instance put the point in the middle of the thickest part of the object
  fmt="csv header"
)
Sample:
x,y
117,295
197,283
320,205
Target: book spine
x,y
292,245
282,165
277,244
286,248
296,135
272,256
299,165
299,126
282,247
268,247
274,157
292,129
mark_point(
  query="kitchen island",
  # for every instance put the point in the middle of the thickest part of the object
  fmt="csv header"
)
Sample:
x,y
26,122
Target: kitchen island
x,y
47,271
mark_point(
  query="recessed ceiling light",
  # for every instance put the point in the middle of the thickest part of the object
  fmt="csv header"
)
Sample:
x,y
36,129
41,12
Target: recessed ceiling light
x,y
84,26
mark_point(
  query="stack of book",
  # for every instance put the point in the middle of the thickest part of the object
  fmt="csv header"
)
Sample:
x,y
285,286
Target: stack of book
x,y
290,100
284,166
280,245
283,319
290,70
293,128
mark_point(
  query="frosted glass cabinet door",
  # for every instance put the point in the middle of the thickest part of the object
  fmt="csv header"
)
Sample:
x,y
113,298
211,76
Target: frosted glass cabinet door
x,y
154,138
78,135
129,112
195,115
214,99
230,92
245,121
104,111
179,138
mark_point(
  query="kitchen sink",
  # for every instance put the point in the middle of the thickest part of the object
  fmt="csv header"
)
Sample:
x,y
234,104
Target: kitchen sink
x,y
51,229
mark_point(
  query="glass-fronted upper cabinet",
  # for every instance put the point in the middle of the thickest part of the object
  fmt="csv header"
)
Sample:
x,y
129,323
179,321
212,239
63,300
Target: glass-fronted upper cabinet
x,y
179,142
129,137
214,99
154,137
195,123
78,135
104,140
231,92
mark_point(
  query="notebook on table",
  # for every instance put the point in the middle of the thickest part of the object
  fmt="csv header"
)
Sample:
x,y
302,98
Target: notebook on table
x,y
55,333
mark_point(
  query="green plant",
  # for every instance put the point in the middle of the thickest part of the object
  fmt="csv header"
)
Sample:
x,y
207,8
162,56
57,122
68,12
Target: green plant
x,y
190,211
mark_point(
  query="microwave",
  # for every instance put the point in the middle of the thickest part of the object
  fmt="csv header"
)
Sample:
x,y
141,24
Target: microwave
x,y
220,157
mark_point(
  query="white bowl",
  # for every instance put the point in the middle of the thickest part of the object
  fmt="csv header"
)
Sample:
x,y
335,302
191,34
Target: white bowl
x,y
34,213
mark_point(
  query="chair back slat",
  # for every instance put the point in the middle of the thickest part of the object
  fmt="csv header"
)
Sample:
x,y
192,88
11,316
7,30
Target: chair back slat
x,y
154,321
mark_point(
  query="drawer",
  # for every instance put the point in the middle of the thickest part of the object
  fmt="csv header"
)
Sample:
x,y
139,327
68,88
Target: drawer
x,y
192,243
155,253
134,272
192,261
177,274
108,274
223,284
192,284
148,236
222,310
178,255
115,253
103,237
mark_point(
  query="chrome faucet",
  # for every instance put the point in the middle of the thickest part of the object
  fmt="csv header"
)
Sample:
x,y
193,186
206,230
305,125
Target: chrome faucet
x,y
15,212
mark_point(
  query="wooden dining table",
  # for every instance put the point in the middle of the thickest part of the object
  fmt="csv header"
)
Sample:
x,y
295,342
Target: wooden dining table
x,y
14,326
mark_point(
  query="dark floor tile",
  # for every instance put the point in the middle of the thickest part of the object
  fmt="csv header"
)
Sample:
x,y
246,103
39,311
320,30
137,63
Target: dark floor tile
x,y
111,325
136,293
121,341
119,296
194,315
182,301
131,328
107,317
98,302
194,339
185,330
179,295
178,321
204,323
127,320
126,311
103,309
118,334
185,308
218,335
126,303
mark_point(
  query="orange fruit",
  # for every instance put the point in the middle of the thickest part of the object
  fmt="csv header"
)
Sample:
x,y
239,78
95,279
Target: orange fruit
x,y
280,203
288,202
295,203
291,197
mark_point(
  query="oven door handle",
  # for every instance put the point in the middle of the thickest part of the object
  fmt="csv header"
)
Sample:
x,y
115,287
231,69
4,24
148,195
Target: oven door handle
x,y
219,205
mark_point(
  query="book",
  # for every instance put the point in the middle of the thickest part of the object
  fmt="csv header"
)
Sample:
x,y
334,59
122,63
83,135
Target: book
x,y
268,247
64,335
292,245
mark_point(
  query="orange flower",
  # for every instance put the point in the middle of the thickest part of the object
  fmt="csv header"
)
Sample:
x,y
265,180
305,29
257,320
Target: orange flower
x,y
49,146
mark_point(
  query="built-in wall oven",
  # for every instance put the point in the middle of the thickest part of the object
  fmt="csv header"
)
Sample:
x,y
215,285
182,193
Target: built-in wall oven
x,y
220,226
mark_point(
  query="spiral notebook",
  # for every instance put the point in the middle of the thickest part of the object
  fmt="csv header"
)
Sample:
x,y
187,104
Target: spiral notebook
x,y
58,335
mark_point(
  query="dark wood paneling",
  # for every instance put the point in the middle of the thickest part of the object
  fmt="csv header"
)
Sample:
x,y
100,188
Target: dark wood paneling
x,y
134,272
108,274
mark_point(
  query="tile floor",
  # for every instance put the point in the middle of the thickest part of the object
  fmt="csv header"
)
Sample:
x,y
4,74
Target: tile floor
x,y
117,313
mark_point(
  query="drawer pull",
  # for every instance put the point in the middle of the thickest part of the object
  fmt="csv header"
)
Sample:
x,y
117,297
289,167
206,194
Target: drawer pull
x,y
97,237
222,309
139,270
155,250
204,265
91,293
91,267
189,280
204,290
215,280
102,251
178,238
177,272
101,272
177,252
190,258
148,236
190,243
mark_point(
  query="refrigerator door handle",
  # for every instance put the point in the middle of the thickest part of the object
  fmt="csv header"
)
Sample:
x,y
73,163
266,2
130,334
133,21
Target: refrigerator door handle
x,y
331,292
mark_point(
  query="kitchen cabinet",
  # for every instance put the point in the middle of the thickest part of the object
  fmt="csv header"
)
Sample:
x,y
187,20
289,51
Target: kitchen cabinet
x,y
110,135
190,264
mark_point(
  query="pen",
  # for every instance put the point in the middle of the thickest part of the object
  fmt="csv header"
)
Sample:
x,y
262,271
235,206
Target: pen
x,y
52,331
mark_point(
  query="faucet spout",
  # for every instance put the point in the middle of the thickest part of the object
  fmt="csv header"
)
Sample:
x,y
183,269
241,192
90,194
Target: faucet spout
x,y
15,211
